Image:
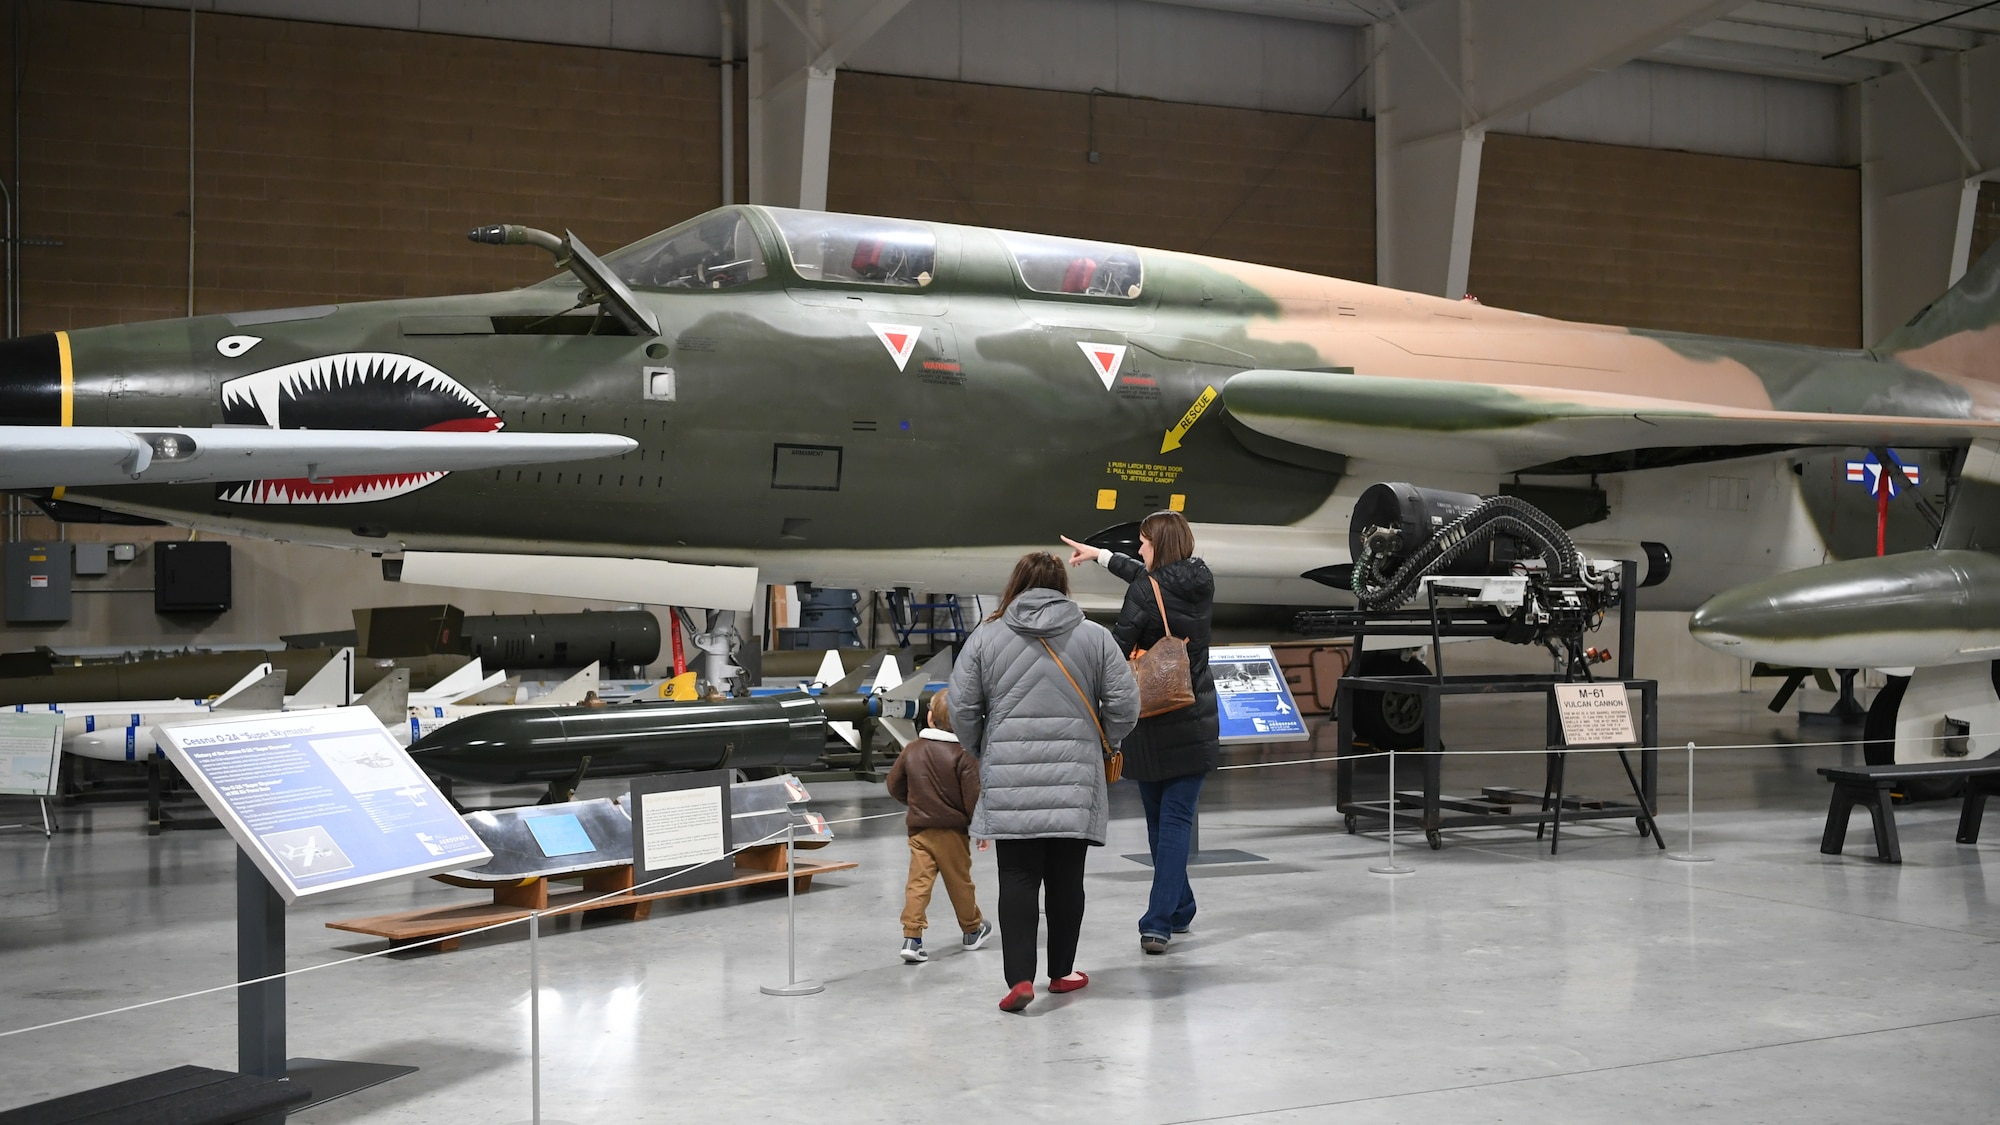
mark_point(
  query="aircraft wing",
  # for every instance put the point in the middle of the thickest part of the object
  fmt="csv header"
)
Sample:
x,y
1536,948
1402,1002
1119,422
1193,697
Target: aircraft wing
x,y
80,456
1497,428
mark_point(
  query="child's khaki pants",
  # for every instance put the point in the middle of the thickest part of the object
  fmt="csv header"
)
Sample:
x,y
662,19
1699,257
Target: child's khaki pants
x,y
938,852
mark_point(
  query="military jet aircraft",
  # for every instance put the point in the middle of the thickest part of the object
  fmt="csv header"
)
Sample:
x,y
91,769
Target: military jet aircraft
x,y
875,402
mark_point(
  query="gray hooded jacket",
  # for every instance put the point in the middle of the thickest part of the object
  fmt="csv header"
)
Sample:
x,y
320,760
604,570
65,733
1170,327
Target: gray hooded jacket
x,y
1041,767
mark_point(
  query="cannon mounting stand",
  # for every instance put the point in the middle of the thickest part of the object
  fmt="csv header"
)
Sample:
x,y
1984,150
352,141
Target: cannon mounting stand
x,y
1480,617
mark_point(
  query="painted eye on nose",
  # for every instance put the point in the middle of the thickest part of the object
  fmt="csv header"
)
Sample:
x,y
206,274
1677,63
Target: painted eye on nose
x,y
233,346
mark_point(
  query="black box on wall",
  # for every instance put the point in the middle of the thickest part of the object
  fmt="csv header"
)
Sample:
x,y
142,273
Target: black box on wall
x,y
191,577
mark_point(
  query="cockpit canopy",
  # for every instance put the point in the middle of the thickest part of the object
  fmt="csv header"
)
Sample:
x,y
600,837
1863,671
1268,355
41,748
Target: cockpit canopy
x,y
857,249
720,250
1073,266
713,251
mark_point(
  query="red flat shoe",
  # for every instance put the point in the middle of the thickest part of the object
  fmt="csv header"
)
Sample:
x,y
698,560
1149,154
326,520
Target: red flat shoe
x,y
1018,996
1064,984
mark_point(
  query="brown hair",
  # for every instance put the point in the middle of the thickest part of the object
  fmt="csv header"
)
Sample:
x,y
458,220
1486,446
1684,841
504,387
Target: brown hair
x,y
941,710
1172,538
1036,570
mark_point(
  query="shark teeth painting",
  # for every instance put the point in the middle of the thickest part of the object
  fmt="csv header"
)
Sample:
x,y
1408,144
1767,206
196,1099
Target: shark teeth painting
x,y
348,391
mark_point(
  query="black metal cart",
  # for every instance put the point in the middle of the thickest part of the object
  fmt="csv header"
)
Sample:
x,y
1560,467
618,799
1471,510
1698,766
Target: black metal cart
x,y
1432,809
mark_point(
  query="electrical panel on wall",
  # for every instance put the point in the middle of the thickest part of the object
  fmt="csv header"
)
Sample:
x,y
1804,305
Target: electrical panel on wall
x,y
38,582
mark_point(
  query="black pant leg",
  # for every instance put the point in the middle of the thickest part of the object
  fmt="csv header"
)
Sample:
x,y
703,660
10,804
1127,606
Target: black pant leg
x,y
1063,874
1019,866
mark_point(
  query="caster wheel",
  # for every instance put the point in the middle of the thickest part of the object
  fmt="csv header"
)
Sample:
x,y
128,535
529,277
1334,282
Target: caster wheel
x,y
1352,825
1434,838
1640,824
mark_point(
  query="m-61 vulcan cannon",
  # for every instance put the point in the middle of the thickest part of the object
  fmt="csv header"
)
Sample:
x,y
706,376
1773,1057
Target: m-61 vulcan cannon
x,y
1487,566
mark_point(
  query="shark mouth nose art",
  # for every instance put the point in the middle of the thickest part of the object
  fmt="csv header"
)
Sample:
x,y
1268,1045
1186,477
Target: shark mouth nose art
x,y
350,391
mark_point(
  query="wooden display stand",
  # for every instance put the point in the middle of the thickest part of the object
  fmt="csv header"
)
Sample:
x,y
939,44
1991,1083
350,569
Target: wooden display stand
x,y
514,901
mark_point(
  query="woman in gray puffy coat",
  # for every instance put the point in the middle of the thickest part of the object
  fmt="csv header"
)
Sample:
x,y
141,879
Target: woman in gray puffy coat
x,y
1042,797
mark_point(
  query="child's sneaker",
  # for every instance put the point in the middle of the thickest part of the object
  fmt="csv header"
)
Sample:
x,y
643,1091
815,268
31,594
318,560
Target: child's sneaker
x,y
977,938
913,950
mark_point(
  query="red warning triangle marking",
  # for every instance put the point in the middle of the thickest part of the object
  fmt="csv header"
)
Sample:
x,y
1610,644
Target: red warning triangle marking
x,y
900,339
1105,359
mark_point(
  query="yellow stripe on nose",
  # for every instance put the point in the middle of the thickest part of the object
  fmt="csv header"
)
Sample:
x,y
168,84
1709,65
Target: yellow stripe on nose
x,y
68,394
68,380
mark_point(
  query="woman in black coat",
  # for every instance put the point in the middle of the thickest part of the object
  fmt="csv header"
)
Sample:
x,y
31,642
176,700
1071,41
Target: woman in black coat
x,y
1170,754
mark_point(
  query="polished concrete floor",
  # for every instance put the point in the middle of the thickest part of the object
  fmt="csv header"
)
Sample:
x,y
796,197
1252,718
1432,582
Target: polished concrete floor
x,y
1497,983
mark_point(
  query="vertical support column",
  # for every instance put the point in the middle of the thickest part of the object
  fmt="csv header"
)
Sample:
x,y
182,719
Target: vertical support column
x,y
817,143
260,952
795,50
1921,170
1446,72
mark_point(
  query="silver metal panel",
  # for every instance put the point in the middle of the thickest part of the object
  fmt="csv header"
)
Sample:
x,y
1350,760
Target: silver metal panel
x,y
584,23
923,41
1190,55
517,855
758,812
1708,111
1656,105
1046,44
1615,107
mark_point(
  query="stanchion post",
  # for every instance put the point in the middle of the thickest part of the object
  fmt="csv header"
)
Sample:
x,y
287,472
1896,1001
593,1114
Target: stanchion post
x,y
535,1012
1391,867
793,986
1690,856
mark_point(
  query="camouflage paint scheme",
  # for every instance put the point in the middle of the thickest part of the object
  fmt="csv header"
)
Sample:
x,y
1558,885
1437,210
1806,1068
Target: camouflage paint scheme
x,y
797,440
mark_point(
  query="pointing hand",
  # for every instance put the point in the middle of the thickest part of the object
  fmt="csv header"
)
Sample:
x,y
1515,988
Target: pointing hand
x,y
1080,553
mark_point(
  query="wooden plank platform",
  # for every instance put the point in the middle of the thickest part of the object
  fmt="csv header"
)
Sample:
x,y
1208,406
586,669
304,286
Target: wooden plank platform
x,y
515,901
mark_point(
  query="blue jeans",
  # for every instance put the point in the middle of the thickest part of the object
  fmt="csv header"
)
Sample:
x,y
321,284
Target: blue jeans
x,y
1170,809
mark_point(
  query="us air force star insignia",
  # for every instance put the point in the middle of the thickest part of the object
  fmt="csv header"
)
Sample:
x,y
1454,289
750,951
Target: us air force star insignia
x,y
1104,359
900,339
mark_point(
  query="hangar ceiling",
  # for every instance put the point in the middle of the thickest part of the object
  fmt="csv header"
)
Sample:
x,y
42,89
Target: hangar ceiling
x,y
1781,38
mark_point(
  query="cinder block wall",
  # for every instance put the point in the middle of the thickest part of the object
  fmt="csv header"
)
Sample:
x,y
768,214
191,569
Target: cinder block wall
x,y
331,163
1283,189
1671,240
1986,219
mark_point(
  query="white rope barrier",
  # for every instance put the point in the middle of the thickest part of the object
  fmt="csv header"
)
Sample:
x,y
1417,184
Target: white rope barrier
x,y
570,908
405,948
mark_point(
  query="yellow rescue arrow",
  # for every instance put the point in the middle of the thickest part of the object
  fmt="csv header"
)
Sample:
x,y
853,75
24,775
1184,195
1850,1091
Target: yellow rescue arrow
x,y
1172,441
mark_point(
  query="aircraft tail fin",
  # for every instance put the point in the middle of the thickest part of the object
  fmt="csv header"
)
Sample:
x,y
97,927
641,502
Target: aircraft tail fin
x,y
572,691
1959,333
331,686
262,690
389,699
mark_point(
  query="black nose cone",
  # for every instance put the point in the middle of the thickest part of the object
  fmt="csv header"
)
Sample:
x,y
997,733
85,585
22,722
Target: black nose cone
x,y
33,391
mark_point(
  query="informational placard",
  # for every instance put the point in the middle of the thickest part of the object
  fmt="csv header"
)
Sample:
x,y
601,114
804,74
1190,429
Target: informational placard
x,y
30,751
680,823
681,827
321,800
1595,714
1253,699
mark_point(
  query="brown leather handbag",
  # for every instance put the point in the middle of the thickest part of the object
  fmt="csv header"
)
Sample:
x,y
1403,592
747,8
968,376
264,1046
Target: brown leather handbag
x,y
1114,760
1166,679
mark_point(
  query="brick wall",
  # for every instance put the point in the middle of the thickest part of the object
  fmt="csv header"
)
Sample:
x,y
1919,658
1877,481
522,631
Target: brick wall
x,y
1278,188
332,163
1985,219
345,163
1670,240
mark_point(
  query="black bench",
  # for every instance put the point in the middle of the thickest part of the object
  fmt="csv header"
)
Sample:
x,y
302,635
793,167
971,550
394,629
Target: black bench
x,y
185,1095
1869,787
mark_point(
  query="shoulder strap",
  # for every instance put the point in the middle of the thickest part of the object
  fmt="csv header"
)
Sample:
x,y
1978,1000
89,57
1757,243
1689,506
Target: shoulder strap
x,y
1105,742
1160,601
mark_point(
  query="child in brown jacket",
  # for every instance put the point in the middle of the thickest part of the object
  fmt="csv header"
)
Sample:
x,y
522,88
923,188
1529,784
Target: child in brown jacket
x,y
940,783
